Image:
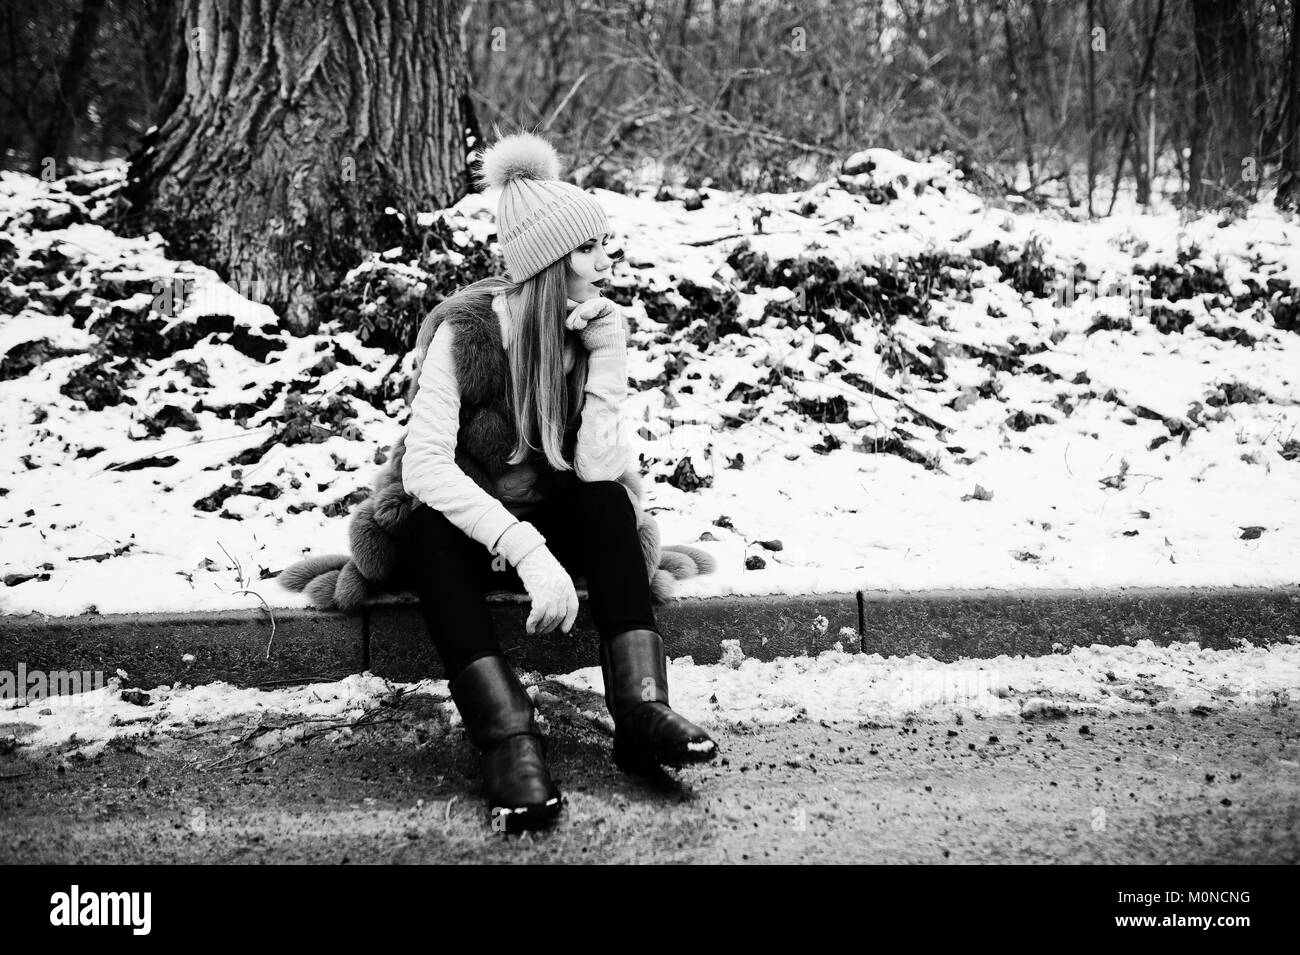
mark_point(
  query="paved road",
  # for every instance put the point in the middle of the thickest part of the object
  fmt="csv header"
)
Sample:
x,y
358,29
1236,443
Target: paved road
x,y
1160,789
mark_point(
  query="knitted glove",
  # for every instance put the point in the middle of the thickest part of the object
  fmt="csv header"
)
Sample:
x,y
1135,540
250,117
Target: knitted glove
x,y
549,586
603,441
600,324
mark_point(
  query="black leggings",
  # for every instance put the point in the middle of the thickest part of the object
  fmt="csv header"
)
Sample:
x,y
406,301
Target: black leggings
x,y
590,527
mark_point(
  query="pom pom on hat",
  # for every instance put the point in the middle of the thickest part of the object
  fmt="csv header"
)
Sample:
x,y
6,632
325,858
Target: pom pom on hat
x,y
540,217
519,156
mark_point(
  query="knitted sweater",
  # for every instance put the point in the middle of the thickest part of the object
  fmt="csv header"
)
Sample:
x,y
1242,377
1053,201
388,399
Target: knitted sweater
x,y
431,474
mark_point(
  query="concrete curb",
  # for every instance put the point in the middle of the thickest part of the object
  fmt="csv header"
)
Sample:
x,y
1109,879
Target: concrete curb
x,y
389,637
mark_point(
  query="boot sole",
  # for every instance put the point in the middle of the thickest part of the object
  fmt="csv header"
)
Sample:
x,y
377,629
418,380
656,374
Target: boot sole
x,y
676,757
517,818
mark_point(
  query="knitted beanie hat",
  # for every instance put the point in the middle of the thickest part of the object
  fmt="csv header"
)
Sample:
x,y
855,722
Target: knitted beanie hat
x,y
540,218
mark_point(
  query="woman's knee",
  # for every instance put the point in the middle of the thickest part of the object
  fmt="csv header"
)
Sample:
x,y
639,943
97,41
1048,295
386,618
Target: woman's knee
x,y
605,494
432,528
606,505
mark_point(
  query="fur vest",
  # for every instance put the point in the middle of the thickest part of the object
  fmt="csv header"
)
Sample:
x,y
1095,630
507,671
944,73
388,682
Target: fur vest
x,y
485,440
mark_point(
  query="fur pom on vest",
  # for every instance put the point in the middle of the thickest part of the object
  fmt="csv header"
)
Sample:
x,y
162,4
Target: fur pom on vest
x,y
484,443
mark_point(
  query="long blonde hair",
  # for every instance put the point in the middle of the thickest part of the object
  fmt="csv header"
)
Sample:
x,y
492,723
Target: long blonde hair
x,y
544,399
545,402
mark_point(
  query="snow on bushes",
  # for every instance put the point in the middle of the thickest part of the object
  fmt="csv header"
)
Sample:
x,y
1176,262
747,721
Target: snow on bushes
x,y
904,383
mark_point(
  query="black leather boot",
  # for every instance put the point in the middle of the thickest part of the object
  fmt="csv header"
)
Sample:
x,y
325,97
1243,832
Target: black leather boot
x,y
499,720
647,731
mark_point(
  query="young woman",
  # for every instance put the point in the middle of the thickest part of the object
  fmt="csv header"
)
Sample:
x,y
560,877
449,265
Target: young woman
x,y
515,446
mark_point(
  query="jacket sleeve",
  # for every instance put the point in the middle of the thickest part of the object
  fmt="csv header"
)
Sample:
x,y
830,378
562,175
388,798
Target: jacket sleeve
x,y
429,468
603,446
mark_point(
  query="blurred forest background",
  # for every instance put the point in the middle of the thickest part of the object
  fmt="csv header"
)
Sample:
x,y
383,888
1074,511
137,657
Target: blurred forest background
x,y
1196,99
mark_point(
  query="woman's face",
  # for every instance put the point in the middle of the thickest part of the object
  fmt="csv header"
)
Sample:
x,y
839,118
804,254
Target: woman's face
x,y
591,263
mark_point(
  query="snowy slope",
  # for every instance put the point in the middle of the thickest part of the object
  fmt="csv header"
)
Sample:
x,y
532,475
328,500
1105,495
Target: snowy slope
x,y
998,435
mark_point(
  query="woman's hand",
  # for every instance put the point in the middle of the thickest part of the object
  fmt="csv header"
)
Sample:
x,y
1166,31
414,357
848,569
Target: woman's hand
x,y
554,599
598,321
555,602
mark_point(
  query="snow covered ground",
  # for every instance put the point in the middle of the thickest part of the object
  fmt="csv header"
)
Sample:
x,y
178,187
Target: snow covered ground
x,y
738,692
1048,442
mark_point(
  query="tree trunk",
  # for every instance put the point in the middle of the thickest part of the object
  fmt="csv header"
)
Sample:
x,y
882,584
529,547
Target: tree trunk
x,y
677,53
1020,96
1225,107
1092,105
163,33
300,124
1288,183
1145,77
69,102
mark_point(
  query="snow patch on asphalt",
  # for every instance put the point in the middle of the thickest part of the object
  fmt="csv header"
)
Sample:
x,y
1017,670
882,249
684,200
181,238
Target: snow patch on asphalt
x,y
741,692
